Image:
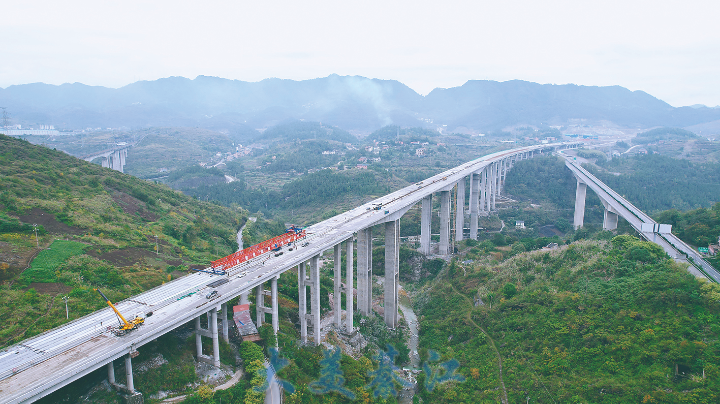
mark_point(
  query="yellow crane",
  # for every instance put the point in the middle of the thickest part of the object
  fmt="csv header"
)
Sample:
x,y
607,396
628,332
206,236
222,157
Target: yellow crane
x,y
125,325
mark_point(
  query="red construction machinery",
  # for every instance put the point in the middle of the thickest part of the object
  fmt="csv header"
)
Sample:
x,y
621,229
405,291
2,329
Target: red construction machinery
x,y
292,235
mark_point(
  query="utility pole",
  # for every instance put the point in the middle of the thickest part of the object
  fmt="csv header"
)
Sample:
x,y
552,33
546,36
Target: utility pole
x,y
36,237
157,250
67,313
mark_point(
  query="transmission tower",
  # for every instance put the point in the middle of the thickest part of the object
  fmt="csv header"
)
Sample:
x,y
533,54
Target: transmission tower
x,y
5,118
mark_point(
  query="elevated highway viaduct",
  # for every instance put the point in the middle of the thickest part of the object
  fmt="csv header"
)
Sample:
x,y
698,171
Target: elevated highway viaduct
x,y
44,363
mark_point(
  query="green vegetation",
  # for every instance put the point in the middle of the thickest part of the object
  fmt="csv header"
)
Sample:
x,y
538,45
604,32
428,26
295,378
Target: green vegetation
x,y
591,154
542,179
44,265
393,132
655,183
593,322
658,134
309,192
110,221
298,130
174,148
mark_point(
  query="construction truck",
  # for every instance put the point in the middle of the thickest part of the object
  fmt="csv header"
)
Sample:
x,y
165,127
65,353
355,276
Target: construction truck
x,y
125,326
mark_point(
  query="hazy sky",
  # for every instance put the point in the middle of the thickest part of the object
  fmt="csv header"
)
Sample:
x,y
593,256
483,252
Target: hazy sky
x,y
670,49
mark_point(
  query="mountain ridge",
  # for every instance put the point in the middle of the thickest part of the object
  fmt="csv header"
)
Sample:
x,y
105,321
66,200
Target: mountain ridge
x,y
354,103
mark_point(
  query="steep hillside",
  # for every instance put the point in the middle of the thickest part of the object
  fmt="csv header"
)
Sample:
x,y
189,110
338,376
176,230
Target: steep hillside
x,y
596,321
97,228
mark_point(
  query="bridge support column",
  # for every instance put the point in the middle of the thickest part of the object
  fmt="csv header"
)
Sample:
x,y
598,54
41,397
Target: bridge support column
x,y
580,192
485,190
392,268
214,336
302,301
274,302
460,211
349,310
610,221
315,296
210,332
501,175
244,298
225,331
425,225
337,293
483,193
364,271
496,184
260,304
129,375
111,373
444,223
491,187
475,188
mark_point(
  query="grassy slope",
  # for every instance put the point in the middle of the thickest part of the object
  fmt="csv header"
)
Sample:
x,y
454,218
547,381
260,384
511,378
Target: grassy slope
x,y
114,216
593,322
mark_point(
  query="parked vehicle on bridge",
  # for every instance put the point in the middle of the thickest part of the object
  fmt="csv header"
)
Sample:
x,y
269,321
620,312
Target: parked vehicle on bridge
x,y
125,326
212,295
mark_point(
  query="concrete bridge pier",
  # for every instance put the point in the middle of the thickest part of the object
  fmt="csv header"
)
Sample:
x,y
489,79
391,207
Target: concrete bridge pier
x,y
496,183
314,282
224,331
244,298
610,219
580,192
444,223
260,307
133,396
349,310
493,187
364,271
210,332
460,211
484,194
425,226
392,267
475,188
315,297
338,292
302,301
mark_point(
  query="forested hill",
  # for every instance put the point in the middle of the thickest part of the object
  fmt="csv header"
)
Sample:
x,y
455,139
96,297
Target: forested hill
x,y
350,102
655,183
592,322
97,228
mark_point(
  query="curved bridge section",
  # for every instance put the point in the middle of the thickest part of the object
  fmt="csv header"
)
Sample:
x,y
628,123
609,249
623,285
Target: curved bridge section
x,y
615,205
49,361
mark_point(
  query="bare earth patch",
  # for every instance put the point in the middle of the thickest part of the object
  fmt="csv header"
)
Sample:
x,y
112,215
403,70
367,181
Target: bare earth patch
x,y
124,257
48,221
132,205
53,288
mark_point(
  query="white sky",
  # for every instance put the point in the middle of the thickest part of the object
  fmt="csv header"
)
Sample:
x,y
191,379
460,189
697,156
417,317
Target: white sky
x,y
670,49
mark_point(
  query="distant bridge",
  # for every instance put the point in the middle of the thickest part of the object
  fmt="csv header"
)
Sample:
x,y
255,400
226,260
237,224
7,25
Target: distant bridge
x,y
44,363
112,158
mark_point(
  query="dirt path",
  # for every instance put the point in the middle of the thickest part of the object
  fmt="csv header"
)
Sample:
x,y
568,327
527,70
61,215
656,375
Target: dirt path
x,y
470,320
231,382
